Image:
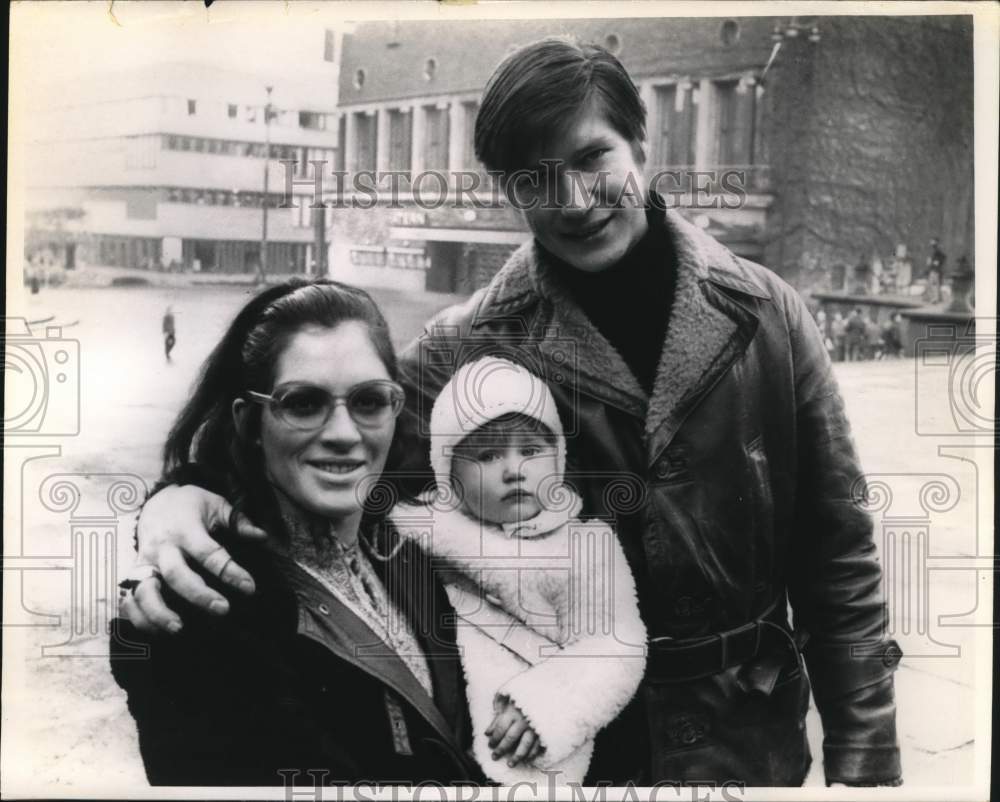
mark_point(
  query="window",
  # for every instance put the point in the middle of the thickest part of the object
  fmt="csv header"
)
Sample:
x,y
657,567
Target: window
x,y
231,110
251,112
359,79
400,139
192,107
436,142
366,126
313,120
469,159
430,69
613,44
675,125
729,33
735,106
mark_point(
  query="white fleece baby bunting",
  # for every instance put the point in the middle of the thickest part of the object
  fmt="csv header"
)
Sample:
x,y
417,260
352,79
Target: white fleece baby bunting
x,y
548,614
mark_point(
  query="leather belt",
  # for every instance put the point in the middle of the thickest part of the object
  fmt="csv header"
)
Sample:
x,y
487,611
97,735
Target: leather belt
x,y
673,660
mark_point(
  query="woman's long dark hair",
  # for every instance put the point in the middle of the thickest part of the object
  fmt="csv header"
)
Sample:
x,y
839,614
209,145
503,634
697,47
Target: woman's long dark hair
x,y
245,359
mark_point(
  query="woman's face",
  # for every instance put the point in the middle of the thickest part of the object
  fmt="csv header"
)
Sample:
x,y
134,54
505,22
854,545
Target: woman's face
x,y
325,470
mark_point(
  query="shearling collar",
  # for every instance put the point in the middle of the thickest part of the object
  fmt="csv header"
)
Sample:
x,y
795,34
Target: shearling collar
x,y
705,334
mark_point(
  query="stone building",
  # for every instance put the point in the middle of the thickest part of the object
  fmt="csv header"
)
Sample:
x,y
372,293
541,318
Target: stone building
x,y
843,137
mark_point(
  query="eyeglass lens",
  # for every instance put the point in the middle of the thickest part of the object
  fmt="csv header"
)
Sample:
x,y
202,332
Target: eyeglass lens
x,y
311,407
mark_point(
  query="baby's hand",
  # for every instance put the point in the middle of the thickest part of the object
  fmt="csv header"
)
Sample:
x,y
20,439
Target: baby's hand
x,y
511,732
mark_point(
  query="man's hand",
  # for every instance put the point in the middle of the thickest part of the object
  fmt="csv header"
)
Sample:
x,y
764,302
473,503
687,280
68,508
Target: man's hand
x,y
511,729
173,530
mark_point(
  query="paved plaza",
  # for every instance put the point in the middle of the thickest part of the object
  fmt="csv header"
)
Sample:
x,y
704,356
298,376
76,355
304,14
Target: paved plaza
x,y
65,721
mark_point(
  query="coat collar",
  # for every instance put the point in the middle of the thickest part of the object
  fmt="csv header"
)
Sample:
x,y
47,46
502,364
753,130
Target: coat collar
x,y
709,327
323,618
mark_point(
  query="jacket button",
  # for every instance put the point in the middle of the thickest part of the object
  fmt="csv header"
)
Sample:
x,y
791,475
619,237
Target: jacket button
x,y
324,609
662,469
892,655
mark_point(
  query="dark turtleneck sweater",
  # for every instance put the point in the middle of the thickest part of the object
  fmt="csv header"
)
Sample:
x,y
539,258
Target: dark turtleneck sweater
x,y
630,302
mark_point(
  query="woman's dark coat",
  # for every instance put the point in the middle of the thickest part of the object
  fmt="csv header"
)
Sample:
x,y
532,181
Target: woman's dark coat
x,y
292,681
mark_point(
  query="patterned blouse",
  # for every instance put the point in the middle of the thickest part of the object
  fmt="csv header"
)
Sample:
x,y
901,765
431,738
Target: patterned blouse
x,y
347,573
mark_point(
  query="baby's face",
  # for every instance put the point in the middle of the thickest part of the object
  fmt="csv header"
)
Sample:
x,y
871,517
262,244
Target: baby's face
x,y
503,480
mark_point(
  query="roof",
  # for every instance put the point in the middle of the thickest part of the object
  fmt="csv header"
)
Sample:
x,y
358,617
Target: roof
x,y
393,55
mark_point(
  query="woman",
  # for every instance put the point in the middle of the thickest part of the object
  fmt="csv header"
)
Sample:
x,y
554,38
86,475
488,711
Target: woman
x,y
337,665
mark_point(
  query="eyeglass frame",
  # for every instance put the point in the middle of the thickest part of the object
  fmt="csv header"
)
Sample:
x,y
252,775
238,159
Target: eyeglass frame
x,y
272,401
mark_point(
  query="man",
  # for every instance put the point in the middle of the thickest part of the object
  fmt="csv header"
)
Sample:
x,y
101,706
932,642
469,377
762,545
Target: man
x,y
695,381
169,332
857,330
935,271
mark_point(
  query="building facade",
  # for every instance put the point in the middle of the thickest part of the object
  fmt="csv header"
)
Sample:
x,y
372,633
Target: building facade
x,y
810,141
164,168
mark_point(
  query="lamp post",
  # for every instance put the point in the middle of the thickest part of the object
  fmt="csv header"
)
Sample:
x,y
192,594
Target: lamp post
x,y
791,30
262,264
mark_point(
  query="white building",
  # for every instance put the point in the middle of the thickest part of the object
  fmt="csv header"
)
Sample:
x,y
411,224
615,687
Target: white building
x,y
165,165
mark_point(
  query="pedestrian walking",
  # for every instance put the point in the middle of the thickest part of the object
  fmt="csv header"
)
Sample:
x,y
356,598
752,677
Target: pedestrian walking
x,y
892,336
169,332
838,333
856,331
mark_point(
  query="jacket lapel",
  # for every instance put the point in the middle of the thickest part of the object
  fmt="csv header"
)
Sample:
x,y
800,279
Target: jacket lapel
x,y
566,340
707,332
708,329
351,639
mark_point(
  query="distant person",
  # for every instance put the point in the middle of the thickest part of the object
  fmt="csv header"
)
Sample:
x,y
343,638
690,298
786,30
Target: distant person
x,y
873,339
856,331
903,269
935,272
892,336
838,333
169,332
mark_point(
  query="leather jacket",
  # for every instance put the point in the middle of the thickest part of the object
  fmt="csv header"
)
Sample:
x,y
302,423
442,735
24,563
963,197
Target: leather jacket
x,y
732,487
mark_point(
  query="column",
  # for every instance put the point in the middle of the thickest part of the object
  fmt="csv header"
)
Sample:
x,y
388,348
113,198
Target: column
x,y
419,133
382,141
456,136
350,143
705,135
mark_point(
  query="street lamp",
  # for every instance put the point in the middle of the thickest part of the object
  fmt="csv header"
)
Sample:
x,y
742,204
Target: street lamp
x,y
790,30
262,265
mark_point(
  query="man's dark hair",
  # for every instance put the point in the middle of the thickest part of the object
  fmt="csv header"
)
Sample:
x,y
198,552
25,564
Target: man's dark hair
x,y
540,87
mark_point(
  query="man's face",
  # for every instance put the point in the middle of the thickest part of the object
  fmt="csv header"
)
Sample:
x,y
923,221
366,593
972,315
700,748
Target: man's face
x,y
588,205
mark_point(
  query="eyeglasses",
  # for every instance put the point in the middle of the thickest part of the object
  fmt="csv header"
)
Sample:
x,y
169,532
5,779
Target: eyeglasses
x,y
306,407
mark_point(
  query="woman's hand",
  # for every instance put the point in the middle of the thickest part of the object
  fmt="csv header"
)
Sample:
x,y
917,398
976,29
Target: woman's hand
x,y
173,530
511,732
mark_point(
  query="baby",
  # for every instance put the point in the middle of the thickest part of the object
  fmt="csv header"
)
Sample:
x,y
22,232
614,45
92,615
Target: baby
x,y
548,623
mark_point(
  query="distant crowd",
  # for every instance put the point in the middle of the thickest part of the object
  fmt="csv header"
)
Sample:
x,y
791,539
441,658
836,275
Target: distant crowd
x,y
860,337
